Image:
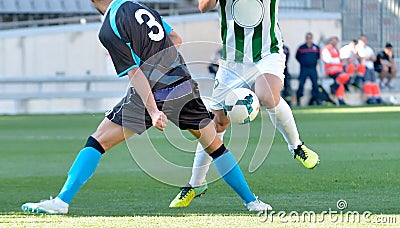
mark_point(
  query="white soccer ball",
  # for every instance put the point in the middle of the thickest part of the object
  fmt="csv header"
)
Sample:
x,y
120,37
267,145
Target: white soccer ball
x,y
393,100
241,105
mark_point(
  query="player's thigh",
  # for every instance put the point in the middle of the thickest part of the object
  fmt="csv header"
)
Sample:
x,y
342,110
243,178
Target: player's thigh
x,y
274,64
267,89
109,134
126,118
269,83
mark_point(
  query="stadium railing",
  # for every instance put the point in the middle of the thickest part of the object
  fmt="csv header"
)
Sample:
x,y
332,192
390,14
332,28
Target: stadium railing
x,y
23,93
20,91
48,87
60,94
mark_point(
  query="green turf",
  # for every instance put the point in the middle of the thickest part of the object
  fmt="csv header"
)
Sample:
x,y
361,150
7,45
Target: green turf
x,y
359,150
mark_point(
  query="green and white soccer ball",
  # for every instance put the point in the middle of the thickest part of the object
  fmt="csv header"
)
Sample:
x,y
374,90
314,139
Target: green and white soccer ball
x,y
241,105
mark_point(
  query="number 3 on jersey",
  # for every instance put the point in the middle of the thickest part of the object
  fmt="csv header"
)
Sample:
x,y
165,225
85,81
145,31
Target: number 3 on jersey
x,y
150,23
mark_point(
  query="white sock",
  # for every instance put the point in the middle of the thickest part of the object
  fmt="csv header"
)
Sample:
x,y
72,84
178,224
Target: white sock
x,y
282,118
201,164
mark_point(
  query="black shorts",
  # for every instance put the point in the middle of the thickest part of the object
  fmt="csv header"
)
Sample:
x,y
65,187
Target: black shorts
x,y
379,68
181,104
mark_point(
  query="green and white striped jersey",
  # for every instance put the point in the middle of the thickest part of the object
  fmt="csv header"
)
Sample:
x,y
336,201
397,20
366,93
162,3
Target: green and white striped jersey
x,y
249,29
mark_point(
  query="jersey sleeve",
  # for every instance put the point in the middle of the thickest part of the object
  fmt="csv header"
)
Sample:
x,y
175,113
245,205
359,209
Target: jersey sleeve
x,y
137,34
138,27
124,60
168,28
124,57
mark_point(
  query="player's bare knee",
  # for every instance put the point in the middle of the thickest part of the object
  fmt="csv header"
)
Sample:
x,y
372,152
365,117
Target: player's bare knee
x,y
262,96
104,139
272,103
268,100
98,135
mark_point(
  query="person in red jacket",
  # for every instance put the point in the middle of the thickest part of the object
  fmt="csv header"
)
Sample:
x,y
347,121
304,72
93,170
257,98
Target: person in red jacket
x,y
334,68
352,66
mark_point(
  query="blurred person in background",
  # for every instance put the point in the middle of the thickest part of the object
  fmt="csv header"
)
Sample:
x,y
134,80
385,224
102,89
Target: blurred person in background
x,y
308,55
334,68
352,66
385,66
367,58
286,92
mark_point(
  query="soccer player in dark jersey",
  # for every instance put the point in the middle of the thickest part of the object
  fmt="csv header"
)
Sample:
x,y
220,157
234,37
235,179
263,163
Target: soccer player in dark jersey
x,y
143,46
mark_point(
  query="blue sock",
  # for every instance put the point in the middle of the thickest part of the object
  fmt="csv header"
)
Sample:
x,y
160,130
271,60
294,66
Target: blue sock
x,y
229,170
81,170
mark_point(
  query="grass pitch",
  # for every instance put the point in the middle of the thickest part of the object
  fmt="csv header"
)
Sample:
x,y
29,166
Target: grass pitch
x,y
359,150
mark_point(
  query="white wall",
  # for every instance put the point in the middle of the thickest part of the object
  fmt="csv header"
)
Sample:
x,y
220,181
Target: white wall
x,y
295,26
71,50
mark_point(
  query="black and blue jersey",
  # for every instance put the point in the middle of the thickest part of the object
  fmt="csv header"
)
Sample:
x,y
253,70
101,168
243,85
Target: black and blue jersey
x,y
137,36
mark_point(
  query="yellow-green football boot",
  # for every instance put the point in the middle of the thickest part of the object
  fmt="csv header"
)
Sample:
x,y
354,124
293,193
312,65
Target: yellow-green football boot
x,y
187,194
306,156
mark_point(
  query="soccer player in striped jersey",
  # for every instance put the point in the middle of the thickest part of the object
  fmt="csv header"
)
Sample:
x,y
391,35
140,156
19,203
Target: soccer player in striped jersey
x,y
144,48
252,55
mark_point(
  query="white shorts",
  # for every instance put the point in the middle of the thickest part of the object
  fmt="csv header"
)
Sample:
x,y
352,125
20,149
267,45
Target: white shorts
x,y
232,75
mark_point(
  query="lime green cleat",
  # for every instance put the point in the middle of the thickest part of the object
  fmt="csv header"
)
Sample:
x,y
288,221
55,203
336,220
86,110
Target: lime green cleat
x,y
187,194
306,156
